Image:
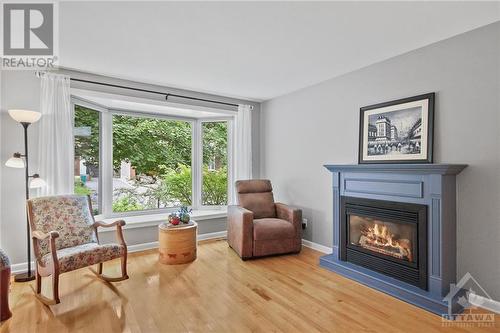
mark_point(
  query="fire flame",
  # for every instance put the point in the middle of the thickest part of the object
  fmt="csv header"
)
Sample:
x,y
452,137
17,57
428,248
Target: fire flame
x,y
382,235
379,238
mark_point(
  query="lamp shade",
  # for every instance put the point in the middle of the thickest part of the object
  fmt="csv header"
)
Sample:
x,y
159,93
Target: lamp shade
x,y
25,116
37,182
15,161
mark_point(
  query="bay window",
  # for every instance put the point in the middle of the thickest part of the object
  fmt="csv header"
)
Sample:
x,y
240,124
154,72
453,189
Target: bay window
x,y
134,163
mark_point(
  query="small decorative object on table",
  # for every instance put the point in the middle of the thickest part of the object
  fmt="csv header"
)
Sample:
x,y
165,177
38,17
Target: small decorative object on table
x,y
183,215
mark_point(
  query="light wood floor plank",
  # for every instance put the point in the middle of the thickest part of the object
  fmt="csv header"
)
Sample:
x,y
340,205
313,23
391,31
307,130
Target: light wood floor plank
x,y
219,293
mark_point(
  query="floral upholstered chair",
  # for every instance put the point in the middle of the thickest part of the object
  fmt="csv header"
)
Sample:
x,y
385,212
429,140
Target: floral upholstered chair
x,y
65,238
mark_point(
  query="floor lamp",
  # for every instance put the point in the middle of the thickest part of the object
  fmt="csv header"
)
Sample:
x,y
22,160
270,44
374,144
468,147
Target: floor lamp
x,y
18,160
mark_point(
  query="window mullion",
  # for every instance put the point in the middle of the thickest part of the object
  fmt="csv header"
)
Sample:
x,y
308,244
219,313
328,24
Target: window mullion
x,y
106,172
196,164
230,162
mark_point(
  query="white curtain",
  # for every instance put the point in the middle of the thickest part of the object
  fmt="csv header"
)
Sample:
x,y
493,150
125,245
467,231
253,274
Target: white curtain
x,y
55,136
242,156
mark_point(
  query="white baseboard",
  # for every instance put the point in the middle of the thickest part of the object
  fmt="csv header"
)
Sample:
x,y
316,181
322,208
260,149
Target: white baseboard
x,y
317,247
485,303
223,234
212,235
22,267
19,268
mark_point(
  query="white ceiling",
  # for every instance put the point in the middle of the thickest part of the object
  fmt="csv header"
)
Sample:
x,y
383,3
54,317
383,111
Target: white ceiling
x,y
256,50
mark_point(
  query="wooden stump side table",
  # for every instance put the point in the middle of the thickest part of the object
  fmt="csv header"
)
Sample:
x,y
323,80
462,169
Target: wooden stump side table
x,y
177,245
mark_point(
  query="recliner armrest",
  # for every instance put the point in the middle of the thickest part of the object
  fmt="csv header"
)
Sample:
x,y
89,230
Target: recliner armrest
x,y
238,212
240,230
290,214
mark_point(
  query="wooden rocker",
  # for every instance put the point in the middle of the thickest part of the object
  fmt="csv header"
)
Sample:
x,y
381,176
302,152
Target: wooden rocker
x,y
65,238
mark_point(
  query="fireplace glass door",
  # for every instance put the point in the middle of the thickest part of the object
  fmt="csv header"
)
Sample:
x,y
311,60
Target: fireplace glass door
x,y
385,236
397,240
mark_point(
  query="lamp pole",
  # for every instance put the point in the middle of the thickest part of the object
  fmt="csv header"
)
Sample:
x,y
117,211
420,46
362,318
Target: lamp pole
x,y
28,276
25,118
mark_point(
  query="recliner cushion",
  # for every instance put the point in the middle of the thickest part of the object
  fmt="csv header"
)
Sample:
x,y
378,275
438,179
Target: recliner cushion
x,y
276,246
261,204
271,228
253,186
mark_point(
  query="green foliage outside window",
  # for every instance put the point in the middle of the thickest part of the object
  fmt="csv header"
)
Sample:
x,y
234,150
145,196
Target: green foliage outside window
x,y
80,188
151,145
87,147
176,186
215,143
214,186
126,204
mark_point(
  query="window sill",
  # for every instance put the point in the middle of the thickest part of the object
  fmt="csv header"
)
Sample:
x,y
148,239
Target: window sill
x,y
141,221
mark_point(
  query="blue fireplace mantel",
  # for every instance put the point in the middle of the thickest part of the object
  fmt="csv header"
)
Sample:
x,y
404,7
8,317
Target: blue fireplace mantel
x,y
433,185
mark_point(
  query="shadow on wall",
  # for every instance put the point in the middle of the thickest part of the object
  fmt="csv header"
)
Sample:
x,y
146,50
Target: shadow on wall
x,y
319,221
316,221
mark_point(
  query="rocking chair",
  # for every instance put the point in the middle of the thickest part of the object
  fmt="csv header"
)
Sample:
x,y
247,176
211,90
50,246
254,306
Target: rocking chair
x,y
65,238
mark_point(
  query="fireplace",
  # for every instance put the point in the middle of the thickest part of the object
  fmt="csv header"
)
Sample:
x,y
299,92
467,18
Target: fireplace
x,y
411,254
385,236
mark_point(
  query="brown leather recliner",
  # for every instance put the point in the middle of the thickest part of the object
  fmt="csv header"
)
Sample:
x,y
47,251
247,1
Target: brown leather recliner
x,y
259,226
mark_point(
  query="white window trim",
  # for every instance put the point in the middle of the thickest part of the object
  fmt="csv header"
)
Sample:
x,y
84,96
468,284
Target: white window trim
x,y
106,165
150,220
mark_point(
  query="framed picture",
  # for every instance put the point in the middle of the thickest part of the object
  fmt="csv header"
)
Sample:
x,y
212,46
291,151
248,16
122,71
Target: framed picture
x,y
399,131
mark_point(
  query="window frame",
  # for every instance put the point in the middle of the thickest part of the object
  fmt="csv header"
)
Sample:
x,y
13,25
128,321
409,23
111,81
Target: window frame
x,y
105,183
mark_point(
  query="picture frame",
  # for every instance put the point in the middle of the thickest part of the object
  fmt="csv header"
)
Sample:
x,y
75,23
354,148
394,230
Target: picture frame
x,y
399,131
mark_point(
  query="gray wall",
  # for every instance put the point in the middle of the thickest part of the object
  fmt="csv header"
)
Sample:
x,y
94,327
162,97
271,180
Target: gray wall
x,y
303,130
21,89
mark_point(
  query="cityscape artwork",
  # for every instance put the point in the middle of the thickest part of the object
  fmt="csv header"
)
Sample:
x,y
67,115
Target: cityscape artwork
x,y
398,131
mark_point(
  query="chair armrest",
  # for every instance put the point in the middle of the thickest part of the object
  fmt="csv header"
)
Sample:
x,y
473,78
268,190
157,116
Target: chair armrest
x,y
37,234
120,223
290,214
119,233
240,230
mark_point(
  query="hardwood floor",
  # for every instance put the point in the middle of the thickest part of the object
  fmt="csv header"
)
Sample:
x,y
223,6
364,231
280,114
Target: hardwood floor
x,y
219,293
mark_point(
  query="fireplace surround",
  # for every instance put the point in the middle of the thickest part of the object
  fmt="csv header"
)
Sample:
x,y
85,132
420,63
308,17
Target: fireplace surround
x,y
431,190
